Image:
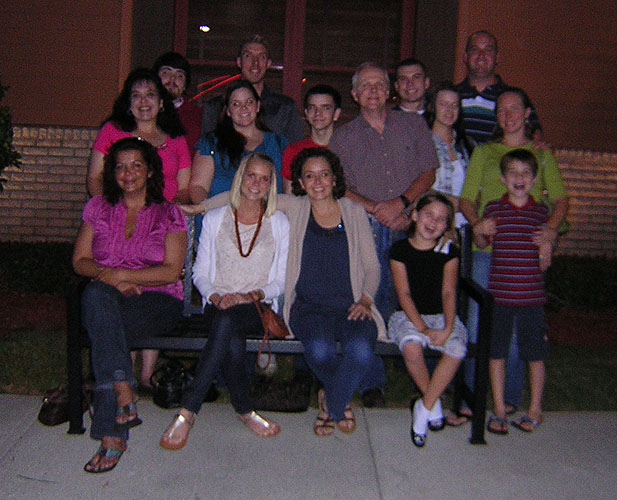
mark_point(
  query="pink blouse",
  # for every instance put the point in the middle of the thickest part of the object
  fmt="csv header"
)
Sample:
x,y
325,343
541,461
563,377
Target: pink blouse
x,y
173,152
145,248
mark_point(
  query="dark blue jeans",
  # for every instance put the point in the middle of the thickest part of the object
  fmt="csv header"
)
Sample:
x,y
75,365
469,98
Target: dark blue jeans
x,y
225,351
113,322
340,374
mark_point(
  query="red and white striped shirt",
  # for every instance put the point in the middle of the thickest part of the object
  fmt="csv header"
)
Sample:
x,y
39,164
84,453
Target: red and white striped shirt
x,y
515,278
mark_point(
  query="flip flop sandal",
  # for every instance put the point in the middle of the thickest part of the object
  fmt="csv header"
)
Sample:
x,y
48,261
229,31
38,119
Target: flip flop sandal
x,y
347,429
175,427
102,453
323,426
264,425
526,419
132,419
502,430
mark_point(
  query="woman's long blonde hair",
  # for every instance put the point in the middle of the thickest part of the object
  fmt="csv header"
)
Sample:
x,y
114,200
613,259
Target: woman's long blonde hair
x,y
234,192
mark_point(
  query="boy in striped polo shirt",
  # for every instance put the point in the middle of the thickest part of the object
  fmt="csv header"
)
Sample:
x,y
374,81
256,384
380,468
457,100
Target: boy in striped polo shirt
x,y
516,282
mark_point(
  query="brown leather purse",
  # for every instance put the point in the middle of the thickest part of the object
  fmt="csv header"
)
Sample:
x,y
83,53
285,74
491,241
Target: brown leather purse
x,y
273,325
55,407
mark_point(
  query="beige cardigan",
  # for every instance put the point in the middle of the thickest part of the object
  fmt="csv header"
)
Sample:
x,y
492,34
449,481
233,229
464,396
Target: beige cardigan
x,y
364,269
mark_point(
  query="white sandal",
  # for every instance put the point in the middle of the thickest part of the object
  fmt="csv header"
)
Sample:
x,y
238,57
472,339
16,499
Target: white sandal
x,y
254,421
178,424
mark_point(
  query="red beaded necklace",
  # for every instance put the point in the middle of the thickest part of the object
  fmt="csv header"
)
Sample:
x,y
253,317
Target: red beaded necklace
x,y
252,244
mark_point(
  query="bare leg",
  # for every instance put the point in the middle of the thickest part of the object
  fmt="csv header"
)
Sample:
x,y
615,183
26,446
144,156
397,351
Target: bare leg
x,y
537,376
148,361
124,394
497,371
413,354
443,374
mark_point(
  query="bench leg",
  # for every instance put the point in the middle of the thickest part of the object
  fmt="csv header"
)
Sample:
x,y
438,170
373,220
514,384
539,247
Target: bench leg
x,y
74,365
480,389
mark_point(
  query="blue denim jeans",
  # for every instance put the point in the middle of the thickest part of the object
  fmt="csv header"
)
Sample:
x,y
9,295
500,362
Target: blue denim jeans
x,y
225,351
515,368
340,374
113,322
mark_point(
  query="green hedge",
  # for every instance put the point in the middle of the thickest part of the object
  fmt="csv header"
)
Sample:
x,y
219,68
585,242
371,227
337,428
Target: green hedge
x,y
588,282
36,267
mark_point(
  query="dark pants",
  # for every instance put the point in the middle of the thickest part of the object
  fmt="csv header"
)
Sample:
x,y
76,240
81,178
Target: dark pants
x,y
114,322
225,351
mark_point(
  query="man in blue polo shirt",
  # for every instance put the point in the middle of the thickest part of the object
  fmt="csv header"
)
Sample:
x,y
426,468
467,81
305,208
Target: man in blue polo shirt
x,y
480,89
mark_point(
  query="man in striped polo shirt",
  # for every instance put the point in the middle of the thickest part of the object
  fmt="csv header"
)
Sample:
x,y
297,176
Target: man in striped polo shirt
x,y
516,282
480,89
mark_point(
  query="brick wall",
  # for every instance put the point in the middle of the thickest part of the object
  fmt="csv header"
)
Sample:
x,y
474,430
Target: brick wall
x,y
43,200
591,180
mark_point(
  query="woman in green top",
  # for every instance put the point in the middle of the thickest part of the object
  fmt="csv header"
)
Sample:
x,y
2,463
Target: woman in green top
x,y
482,184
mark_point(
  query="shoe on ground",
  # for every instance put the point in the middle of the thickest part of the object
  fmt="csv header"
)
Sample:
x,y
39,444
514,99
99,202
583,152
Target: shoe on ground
x,y
436,420
419,423
373,398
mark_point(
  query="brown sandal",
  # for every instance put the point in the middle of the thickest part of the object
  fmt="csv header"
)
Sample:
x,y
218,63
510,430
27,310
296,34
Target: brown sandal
x,y
348,423
323,426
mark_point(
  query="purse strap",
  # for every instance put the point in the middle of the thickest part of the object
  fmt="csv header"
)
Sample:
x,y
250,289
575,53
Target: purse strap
x,y
265,342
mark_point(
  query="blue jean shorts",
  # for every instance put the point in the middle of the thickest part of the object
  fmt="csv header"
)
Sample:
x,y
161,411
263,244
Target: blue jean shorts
x,y
401,330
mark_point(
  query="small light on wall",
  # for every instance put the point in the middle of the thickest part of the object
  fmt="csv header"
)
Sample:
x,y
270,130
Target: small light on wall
x,y
204,28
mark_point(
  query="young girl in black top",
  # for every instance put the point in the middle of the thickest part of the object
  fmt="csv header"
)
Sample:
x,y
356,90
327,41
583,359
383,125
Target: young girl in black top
x,y
425,269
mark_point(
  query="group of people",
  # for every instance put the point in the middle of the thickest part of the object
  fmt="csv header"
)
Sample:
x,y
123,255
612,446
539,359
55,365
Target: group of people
x,y
364,236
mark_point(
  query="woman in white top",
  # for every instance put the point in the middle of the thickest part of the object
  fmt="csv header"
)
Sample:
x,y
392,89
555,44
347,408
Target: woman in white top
x,y
445,119
242,255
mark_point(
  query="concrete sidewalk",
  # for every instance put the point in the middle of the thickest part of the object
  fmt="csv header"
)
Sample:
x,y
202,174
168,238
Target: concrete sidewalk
x,y
571,456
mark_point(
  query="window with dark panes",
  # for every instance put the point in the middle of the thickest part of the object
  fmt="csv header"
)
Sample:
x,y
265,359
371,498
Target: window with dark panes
x,y
338,36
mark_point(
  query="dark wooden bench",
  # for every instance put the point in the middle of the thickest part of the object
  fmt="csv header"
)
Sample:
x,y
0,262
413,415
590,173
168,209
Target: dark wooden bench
x,y
190,335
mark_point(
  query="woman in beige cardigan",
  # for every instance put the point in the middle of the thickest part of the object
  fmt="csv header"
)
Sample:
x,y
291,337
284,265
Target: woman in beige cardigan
x,y
332,276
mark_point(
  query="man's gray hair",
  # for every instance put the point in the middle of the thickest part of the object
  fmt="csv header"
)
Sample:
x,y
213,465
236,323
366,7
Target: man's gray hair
x,y
368,64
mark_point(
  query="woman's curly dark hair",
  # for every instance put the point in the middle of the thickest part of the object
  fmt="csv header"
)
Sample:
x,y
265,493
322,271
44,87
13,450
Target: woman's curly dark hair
x,y
154,182
338,191
167,118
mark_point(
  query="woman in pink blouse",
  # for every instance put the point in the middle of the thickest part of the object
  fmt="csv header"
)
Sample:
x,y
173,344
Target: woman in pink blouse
x,y
145,109
132,244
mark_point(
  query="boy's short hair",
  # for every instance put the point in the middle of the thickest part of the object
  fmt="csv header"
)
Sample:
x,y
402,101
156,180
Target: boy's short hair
x,y
323,89
523,155
410,61
254,39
